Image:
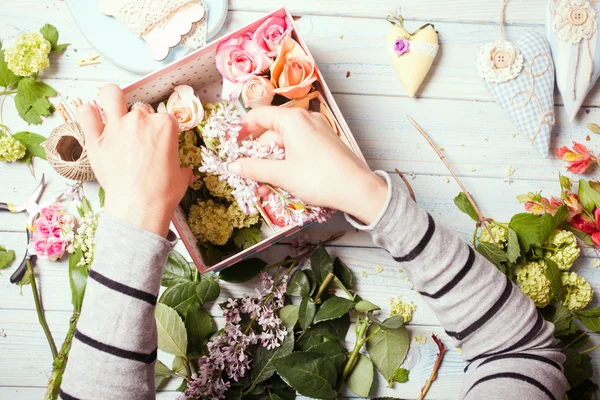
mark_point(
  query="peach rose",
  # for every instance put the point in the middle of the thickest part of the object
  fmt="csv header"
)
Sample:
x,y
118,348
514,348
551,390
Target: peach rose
x,y
257,91
269,34
238,60
185,106
293,72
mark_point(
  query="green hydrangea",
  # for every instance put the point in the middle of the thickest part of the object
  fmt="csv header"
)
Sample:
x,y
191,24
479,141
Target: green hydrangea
x,y
218,187
29,55
190,155
579,292
499,233
239,219
209,222
11,149
566,247
400,307
534,283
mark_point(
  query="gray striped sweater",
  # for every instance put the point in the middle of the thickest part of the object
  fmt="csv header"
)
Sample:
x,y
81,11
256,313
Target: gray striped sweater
x,y
509,349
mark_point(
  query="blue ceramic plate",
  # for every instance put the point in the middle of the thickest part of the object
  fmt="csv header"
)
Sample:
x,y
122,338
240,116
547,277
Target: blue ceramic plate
x,y
115,43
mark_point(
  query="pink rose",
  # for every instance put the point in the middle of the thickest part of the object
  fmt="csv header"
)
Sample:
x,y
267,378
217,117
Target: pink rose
x,y
185,106
38,246
401,46
55,249
257,91
43,227
269,34
293,72
238,60
48,213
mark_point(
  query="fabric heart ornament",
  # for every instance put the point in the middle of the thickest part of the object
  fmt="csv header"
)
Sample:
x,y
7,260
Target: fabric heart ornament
x,y
412,54
521,80
572,29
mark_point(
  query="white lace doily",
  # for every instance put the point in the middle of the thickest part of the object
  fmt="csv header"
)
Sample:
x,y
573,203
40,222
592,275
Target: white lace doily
x,y
428,49
488,70
565,29
140,16
196,38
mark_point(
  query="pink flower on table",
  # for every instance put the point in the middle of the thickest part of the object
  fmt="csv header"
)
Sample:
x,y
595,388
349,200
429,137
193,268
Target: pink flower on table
x,y
401,46
48,213
579,158
55,249
38,246
269,34
293,72
238,60
43,227
257,91
185,106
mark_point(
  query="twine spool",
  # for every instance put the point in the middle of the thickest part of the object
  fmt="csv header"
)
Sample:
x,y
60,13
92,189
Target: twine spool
x,y
65,151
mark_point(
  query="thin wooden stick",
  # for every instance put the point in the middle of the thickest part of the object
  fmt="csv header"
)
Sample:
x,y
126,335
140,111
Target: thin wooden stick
x,y
66,117
410,189
480,217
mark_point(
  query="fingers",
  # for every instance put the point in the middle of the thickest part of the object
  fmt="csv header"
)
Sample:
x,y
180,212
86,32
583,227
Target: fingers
x,y
270,137
264,171
261,119
188,176
263,191
91,123
113,102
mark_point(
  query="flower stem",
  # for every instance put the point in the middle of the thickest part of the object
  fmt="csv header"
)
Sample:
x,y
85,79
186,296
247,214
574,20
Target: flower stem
x,y
577,338
188,371
436,367
306,252
590,349
8,92
40,311
323,286
60,362
356,350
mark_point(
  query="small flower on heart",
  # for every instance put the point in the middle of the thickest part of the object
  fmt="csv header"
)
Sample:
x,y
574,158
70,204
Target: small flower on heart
x,y
401,46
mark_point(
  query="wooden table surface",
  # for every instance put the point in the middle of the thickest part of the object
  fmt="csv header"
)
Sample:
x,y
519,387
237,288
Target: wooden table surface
x,y
347,39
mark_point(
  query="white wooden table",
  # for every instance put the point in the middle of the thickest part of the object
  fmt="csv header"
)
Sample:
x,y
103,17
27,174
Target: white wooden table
x,y
347,39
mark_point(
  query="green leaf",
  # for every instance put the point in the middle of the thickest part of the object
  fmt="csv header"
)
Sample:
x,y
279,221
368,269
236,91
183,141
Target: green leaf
x,y
180,297
560,316
51,35
306,312
84,207
335,329
299,285
78,276
577,367
592,323
179,366
289,316
208,290
553,273
8,79
360,379
333,308
177,270
243,271
31,100
172,336
183,386
199,326
312,280
101,196
394,322
463,204
592,312
387,349
584,391
364,306
310,374
588,197
247,237
162,374
561,215
6,257
33,144
262,365
321,263
336,352
400,375
532,229
492,253
309,339
575,340
513,250
343,273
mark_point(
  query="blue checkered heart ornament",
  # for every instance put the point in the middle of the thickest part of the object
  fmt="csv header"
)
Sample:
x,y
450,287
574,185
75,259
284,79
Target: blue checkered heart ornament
x,y
521,79
572,29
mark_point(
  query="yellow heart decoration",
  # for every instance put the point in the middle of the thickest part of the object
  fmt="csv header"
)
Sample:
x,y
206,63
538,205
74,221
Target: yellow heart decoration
x,y
411,67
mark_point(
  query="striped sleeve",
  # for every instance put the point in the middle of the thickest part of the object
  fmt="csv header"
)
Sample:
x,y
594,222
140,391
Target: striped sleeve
x,y
115,344
510,350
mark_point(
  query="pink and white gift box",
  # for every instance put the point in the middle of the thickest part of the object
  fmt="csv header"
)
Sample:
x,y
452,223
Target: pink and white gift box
x,y
198,69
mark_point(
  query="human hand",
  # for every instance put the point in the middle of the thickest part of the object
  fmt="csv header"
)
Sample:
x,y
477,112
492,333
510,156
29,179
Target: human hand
x,y
318,167
135,158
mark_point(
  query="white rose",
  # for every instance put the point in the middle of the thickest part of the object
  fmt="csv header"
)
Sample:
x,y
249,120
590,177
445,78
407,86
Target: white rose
x,y
185,106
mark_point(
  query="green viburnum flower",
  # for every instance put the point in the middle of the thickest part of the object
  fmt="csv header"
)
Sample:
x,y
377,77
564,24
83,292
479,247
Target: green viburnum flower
x,y
533,282
579,292
239,219
400,307
566,247
209,222
29,55
499,233
218,187
11,149
190,155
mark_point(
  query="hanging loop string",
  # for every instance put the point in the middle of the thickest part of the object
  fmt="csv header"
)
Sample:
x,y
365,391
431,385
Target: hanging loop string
x,y
503,18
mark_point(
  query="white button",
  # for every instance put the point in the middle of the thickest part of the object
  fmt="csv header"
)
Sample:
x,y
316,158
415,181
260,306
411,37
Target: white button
x,y
501,59
578,16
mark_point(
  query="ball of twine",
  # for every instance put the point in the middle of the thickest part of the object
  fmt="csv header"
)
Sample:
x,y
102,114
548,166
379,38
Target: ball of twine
x,y
65,151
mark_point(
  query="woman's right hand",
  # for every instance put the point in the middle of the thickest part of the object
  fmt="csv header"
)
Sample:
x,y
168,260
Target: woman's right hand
x,y
319,168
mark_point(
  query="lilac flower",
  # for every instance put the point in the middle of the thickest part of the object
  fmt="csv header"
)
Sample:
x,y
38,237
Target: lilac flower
x,y
293,212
